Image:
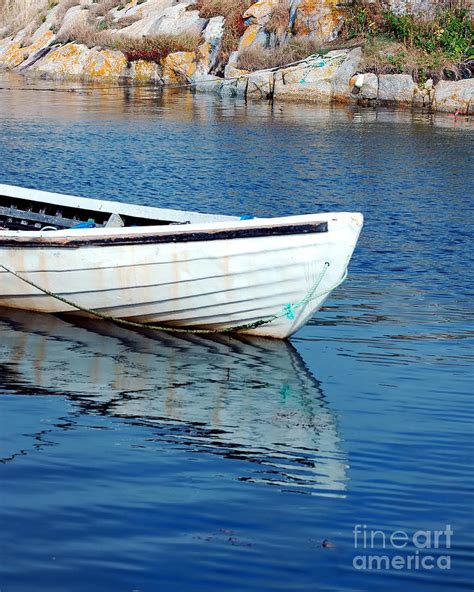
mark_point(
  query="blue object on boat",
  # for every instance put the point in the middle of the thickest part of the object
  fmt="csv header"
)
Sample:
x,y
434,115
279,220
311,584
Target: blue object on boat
x,y
247,217
88,224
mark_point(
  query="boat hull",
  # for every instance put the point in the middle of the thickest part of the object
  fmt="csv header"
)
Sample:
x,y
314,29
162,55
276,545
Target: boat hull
x,y
201,276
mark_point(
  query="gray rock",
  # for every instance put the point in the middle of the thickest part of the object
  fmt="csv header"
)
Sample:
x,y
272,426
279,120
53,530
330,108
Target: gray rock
x,y
318,91
311,80
233,88
368,90
396,88
207,83
452,96
171,20
177,19
213,35
340,79
260,85
142,9
370,87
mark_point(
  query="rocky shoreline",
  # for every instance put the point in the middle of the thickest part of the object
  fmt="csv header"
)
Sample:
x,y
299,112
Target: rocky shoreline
x,y
336,76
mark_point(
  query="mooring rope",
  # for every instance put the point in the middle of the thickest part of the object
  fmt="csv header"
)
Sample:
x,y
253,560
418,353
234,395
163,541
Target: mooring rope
x,y
287,311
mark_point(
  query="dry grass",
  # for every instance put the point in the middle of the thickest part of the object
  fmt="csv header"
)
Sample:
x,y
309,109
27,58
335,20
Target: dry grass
x,y
125,21
278,22
64,6
17,14
92,32
212,8
86,34
103,7
261,59
98,14
152,48
155,47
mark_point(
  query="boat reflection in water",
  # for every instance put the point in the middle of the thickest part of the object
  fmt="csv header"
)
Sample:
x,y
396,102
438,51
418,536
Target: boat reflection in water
x,y
250,399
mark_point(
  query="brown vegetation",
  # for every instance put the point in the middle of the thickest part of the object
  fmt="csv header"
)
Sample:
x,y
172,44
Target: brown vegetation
x,y
279,19
63,7
125,21
103,7
86,34
155,47
152,47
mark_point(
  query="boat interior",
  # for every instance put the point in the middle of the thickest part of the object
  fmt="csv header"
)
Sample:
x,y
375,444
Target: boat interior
x,y
29,209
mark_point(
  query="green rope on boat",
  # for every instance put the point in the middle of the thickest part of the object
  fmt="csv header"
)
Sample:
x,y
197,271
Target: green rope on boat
x,y
288,309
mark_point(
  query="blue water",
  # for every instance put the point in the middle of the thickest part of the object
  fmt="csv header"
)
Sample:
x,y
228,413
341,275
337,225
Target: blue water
x,y
140,461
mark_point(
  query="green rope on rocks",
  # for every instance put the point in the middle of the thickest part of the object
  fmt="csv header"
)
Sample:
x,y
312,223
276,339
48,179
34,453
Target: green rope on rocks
x,y
288,309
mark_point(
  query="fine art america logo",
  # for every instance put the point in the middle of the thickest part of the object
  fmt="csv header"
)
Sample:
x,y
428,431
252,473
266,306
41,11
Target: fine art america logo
x,y
401,550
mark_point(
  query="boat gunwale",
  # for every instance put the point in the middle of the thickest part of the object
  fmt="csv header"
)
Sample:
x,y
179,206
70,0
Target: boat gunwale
x,y
177,235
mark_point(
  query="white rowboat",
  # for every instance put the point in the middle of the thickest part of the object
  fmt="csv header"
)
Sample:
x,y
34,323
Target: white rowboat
x,y
175,269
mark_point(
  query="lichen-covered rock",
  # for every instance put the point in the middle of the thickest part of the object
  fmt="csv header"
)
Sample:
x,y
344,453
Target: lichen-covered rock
x,y
260,85
143,71
259,12
11,50
454,96
255,17
396,88
66,61
248,37
38,48
367,88
104,64
12,54
178,66
14,51
321,19
78,61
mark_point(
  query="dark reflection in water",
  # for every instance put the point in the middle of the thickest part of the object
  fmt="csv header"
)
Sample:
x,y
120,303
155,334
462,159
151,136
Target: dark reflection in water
x,y
248,399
